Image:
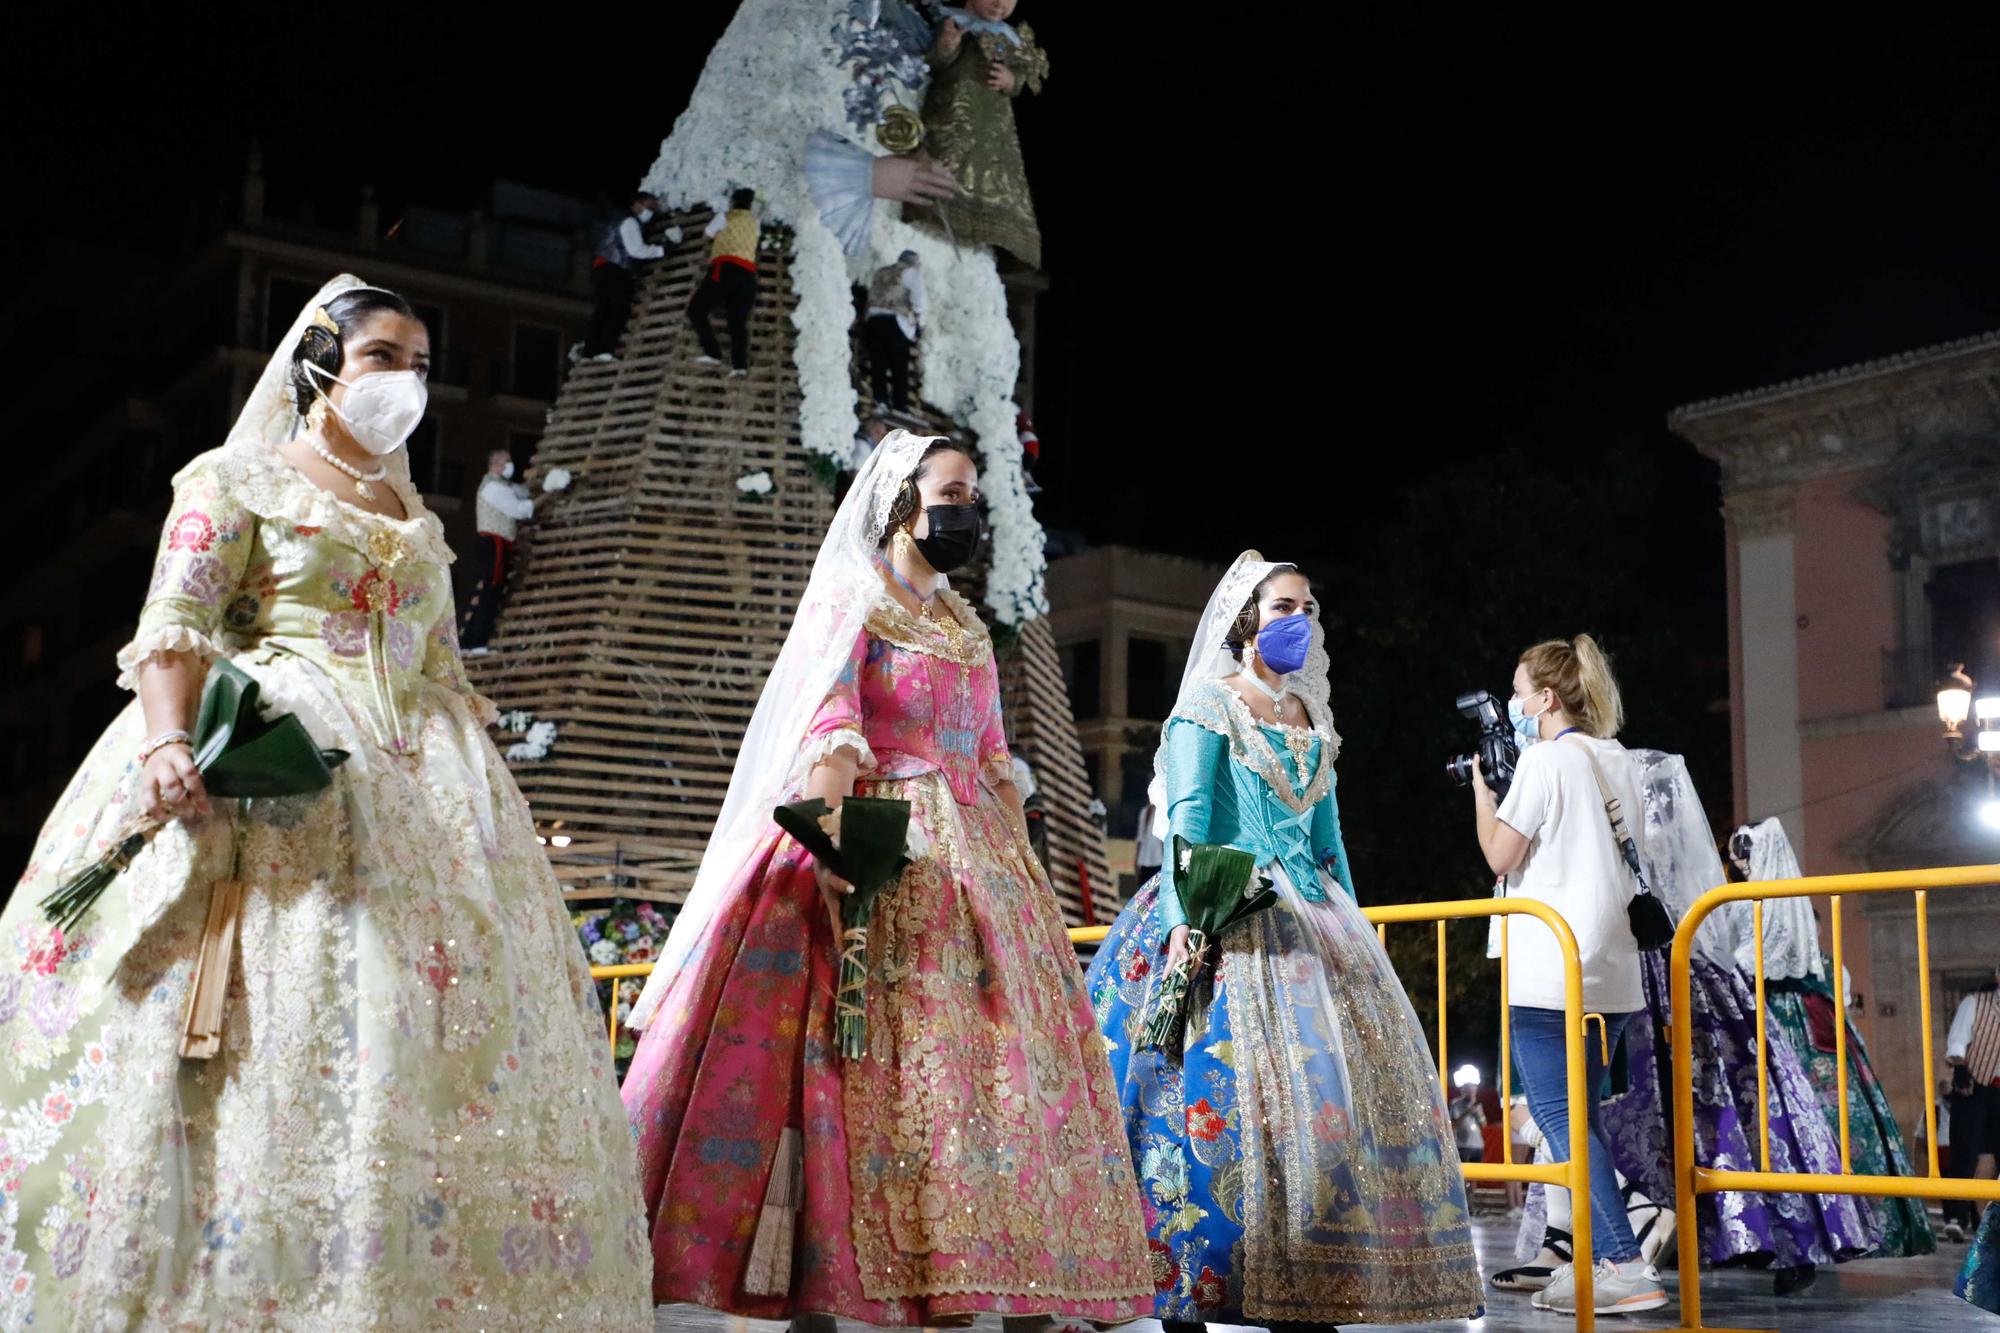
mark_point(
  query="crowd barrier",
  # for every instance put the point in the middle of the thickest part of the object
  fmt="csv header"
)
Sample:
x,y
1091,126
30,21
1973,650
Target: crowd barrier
x,y
1574,1173
1692,1179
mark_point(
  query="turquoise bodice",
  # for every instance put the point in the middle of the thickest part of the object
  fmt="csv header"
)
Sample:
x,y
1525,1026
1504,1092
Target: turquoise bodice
x,y
1264,789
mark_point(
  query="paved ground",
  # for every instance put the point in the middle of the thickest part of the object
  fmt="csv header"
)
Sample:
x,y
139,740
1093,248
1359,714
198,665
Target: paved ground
x,y
1867,1296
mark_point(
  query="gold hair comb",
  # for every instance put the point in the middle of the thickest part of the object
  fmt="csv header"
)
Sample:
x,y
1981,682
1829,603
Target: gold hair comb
x,y
323,320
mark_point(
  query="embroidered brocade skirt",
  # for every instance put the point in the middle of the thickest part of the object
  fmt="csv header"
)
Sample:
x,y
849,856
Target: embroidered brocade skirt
x,y
412,1122
1875,1140
1785,1229
972,1161
1295,1160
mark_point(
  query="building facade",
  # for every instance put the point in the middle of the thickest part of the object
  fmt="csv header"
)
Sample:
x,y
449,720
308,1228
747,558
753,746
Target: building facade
x,y
156,372
1862,516
1123,619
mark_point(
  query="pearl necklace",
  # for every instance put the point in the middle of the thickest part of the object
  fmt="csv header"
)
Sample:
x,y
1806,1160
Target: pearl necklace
x,y
355,474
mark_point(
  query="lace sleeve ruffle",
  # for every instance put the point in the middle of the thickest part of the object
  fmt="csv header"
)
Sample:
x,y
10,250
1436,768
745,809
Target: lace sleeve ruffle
x,y
998,768
819,748
166,638
484,711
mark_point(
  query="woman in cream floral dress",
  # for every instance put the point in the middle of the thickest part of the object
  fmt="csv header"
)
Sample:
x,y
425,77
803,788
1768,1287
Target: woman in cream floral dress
x,y
411,1122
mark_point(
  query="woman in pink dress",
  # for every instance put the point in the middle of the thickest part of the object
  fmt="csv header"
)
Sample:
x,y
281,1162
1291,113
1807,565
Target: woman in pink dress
x,y
973,1159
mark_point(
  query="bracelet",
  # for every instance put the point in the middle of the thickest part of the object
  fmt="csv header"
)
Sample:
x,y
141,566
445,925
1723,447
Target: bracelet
x,y
162,741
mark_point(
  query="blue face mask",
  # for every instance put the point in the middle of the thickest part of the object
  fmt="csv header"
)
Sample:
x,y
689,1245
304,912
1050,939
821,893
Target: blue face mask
x,y
1283,644
1527,730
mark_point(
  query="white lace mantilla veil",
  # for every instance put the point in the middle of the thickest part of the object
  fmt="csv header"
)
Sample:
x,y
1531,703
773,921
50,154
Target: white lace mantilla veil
x,y
1791,933
270,415
1680,857
1209,659
845,584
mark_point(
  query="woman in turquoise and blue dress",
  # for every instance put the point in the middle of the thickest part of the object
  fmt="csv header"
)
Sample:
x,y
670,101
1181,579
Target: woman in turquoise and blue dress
x,y
1295,1162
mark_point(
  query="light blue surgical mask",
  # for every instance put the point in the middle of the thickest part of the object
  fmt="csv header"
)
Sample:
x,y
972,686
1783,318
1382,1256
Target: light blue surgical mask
x,y
1527,730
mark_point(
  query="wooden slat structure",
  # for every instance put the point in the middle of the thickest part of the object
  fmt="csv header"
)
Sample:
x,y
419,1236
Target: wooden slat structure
x,y
650,599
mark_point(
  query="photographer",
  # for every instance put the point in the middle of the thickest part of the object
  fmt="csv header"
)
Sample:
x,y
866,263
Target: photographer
x,y
1552,838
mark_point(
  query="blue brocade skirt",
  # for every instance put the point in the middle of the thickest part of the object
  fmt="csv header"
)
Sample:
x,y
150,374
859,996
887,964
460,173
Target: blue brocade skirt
x,y
1295,1160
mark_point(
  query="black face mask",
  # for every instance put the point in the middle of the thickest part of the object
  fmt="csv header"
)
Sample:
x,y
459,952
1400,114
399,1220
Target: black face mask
x,y
956,531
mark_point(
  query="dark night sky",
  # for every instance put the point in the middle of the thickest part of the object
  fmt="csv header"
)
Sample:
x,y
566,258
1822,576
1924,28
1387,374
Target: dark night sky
x,y
1399,257
1296,272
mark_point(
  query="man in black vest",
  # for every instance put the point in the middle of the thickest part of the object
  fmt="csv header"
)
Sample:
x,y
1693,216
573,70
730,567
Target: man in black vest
x,y
614,275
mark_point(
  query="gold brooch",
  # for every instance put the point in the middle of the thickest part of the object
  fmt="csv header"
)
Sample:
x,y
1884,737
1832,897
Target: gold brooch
x,y
901,130
322,320
386,549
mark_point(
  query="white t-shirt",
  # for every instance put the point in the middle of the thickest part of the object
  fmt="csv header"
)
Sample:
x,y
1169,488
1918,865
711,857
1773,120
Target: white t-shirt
x,y
1574,866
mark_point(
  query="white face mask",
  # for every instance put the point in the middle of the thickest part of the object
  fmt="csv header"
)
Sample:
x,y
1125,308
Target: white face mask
x,y
507,469
645,215
381,408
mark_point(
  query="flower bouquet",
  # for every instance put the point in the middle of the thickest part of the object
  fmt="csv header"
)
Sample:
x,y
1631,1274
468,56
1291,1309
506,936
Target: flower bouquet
x,y
1218,887
242,755
866,842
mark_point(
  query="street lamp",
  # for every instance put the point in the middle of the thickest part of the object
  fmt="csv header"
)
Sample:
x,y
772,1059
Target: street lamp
x,y
1954,700
1955,703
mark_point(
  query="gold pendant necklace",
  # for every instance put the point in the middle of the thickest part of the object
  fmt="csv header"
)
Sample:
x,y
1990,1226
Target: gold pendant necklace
x,y
947,625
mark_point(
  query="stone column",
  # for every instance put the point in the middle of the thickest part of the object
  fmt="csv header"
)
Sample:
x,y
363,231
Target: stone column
x,y
1761,525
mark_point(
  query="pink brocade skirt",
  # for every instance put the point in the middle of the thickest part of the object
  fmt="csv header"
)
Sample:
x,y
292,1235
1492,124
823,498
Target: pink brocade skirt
x,y
973,1161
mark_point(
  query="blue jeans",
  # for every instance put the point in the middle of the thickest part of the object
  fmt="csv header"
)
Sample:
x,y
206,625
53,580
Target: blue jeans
x,y
1542,1059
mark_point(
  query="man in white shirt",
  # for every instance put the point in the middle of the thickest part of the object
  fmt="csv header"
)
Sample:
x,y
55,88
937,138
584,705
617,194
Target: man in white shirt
x,y
1147,849
614,275
1972,1047
896,305
865,440
500,506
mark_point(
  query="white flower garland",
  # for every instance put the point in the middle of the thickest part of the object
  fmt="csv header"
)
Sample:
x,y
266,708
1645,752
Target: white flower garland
x,y
772,78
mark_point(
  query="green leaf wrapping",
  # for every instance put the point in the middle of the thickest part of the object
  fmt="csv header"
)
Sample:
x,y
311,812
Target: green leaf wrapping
x,y
1218,888
1167,1018
870,856
241,753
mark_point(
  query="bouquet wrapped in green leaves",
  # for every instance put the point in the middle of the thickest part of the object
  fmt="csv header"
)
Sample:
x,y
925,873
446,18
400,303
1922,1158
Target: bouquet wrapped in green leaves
x,y
865,842
243,755
1218,887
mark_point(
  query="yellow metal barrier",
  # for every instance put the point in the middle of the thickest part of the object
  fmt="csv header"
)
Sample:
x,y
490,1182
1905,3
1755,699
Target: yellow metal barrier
x,y
1691,1178
1573,1174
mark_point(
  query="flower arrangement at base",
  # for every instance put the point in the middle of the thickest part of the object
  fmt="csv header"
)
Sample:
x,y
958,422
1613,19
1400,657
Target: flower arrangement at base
x,y
627,931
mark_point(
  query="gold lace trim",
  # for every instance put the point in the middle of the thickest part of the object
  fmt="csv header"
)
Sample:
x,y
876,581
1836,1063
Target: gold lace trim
x,y
1217,708
256,478
968,646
